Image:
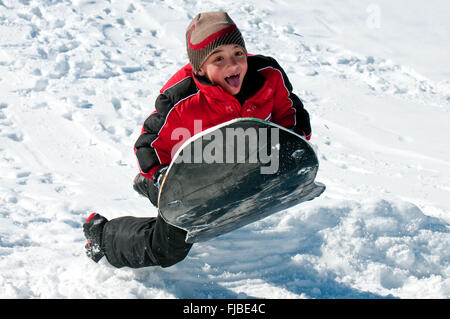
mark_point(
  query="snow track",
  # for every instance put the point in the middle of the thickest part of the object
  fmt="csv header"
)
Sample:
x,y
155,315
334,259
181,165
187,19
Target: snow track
x,y
78,78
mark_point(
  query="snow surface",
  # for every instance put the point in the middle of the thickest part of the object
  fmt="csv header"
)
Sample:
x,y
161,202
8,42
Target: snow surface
x,y
78,78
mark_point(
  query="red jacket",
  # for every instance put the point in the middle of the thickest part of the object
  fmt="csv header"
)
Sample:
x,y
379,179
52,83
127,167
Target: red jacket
x,y
188,100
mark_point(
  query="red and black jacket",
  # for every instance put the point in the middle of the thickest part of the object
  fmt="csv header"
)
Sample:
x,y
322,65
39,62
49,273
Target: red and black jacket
x,y
266,94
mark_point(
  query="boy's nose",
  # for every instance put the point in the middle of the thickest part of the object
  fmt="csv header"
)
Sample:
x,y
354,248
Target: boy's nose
x,y
233,60
233,63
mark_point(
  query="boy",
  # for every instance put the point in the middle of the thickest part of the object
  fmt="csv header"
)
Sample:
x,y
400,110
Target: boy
x,y
220,83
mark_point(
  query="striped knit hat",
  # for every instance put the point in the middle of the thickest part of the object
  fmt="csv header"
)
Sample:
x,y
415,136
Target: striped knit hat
x,y
206,32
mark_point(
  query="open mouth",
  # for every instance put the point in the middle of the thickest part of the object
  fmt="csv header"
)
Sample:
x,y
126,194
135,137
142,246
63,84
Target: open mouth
x,y
234,80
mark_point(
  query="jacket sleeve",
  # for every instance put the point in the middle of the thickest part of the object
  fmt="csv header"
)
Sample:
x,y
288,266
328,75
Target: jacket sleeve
x,y
289,110
179,87
146,154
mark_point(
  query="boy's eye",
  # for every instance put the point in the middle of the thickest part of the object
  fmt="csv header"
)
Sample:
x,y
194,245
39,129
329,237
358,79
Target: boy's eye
x,y
218,59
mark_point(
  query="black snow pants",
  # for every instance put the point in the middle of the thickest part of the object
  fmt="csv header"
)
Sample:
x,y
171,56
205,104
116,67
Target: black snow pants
x,y
140,242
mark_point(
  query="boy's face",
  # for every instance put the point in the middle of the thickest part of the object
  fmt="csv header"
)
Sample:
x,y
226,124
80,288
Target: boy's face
x,y
226,67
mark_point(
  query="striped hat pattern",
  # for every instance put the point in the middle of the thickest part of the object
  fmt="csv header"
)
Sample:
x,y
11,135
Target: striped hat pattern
x,y
206,32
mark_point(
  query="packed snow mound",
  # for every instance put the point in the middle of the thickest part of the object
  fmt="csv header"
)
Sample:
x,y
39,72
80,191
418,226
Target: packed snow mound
x,y
78,78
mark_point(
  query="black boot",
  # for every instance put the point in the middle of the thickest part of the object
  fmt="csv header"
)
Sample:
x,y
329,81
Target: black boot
x,y
93,231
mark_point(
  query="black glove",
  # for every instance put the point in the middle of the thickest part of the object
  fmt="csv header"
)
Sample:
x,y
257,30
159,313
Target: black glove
x,y
146,188
159,175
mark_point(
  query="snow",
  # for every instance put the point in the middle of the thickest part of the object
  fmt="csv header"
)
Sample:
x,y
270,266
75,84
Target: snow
x,y
78,78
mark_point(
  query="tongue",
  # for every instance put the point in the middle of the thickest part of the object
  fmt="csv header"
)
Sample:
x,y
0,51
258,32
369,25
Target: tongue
x,y
234,81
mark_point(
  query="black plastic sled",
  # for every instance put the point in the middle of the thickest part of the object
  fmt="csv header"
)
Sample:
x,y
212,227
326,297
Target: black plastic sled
x,y
234,174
